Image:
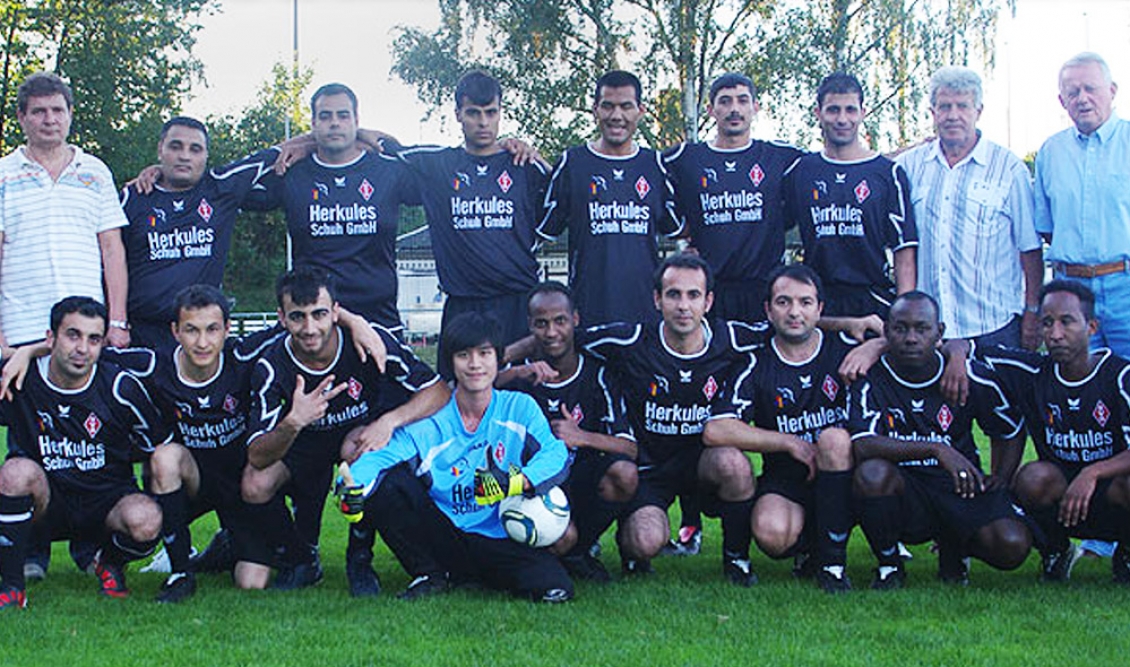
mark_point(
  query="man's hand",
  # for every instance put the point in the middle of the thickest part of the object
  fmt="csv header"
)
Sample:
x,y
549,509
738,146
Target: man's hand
x,y
523,153
307,408
15,369
535,372
366,341
968,480
804,452
858,327
292,150
371,437
493,484
1076,500
118,338
1030,335
955,378
350,494
568,430
857,362
146,179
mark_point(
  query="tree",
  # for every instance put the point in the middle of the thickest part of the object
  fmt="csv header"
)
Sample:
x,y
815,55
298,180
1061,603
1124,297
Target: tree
x,y
547,54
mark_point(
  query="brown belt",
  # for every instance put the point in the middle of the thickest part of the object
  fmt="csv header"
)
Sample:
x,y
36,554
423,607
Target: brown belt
x,y
1092,270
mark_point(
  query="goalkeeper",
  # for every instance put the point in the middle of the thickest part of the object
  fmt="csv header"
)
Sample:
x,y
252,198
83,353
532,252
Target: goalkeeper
x,y
433,492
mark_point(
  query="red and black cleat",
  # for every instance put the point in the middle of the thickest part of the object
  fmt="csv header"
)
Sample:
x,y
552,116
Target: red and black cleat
x,y
13,598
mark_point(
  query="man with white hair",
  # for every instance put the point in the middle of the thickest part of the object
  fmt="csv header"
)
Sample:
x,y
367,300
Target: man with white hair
x,y
978,253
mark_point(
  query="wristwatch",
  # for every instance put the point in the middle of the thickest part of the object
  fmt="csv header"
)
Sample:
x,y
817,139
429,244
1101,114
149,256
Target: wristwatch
x,y
119,324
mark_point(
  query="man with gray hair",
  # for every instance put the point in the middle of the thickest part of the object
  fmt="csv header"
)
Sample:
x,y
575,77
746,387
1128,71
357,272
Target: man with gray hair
x,y
978,253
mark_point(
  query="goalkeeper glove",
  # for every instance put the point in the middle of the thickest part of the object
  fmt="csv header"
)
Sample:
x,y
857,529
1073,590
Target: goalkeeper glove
x,y
351,495
494,484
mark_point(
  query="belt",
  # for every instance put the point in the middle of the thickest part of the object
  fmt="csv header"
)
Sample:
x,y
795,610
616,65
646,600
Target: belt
x,y
1092,270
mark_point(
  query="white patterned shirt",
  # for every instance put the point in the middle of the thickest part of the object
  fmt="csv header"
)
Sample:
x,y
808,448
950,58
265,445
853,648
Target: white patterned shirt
x,y
974,220
51,232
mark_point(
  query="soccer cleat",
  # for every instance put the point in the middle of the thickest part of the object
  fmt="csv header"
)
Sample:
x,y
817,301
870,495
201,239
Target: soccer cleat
x,y
804,566
351,501
34,571
832,579
13,598
217,557
738,572
425,585
554,596
888,578
177,588
1120,564
953,569
111,577
632,567
363,581
1057,565
585,566
302,575
687,543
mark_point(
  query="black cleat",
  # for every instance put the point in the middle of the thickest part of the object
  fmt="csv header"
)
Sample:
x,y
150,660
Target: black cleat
x,y
953,568
554,596
688,543
302,575
889,578
586,567
632,567
739,572
218,557
423,586
363,581
177,588
804,566
1056,565
1120,564
832,579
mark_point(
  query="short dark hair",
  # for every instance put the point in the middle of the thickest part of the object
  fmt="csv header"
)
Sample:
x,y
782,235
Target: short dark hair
x,y
799,272
467,330
184,121
83,305
43,84
918,295
618,78
838,83
477,87
682,260
195,297
332,89
732,80
1082,292
303,284
551,287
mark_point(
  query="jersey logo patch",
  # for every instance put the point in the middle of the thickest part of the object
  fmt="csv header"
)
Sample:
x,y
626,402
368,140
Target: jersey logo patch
x,y
642,187
354,389
756,175
660,384
45,421
230,404
784,394
617,174
366,189
86,178
481,169
818,188
805,381
710,388
460,180
685,376
731,167
841,179
93,424
64,412
499,452
339,181
158,215
319,190
893,414
1101,413
504,181
578,415
918,406
862,191
1073,404
1054,414
831,388
945,417
709,176
205,209
598,184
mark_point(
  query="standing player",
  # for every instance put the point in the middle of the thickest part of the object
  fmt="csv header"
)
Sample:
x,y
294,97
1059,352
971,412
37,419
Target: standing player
x,y
180,228
75,429
585,412
729,192
342,208
613,197
852,207
792,408
1077,404
311,391
918,474
445,525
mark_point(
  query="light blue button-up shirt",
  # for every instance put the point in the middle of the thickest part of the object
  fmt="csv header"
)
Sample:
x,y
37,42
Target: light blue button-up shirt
x,y
1083,193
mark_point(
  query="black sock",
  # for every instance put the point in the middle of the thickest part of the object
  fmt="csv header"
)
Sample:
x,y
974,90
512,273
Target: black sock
x,y
272,524
121,548
1055,538
833,516
174,532
879,517
595,519
15,530
736,530
362,535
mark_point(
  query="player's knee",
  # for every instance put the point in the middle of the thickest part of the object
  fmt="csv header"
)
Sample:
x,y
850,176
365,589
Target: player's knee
x,y
566,543
1010,541
1119,492
644,533
729,469
18,476
773,534
143,519
620,482
256,487
875,477
833,450
251,576
165,467
1039,484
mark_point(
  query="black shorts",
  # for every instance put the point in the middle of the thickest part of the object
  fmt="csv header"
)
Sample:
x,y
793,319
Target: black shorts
x,y
509,310
661,482
219,491
75,515
583,484
311,462
1105,521
741,301
798,491
931,509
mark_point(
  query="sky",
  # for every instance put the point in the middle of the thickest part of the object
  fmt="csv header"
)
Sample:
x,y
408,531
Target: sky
x,y
1021,109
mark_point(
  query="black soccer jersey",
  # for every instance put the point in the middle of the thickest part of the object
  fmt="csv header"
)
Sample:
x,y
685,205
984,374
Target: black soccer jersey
x,y
1073,424
669,396
370,393
731,201
887,405
850,214
86,439
343,219
482,212
800,398
176,239
612,207
588,395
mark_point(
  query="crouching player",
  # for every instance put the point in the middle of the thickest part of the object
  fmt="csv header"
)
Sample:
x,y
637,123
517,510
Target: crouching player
x,y
439,513
792,408
585,411
918,474
75,429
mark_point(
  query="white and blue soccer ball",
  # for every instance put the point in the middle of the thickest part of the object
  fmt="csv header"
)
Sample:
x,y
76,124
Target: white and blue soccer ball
x,y
538,521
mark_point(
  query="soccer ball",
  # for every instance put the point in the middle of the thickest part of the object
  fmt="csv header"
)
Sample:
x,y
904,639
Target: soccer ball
x,y
538,521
